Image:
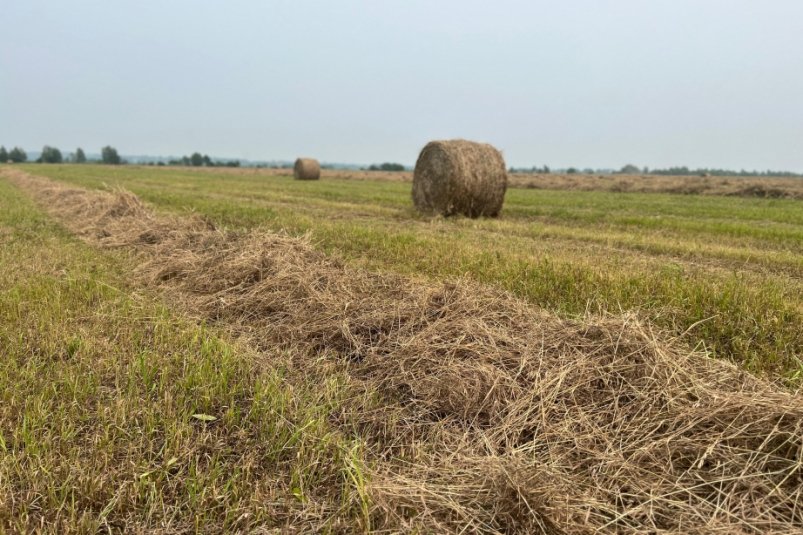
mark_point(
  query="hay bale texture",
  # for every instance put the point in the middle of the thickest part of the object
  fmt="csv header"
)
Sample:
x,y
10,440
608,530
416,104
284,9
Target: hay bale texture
x,y
459,177
307,169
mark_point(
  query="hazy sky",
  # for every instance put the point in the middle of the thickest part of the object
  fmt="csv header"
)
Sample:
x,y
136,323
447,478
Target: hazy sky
x,y
596,83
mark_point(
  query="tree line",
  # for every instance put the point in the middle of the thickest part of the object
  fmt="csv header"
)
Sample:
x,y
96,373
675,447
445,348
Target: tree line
x,y
50,154
15,155
631,169
387,166
196,159
108,155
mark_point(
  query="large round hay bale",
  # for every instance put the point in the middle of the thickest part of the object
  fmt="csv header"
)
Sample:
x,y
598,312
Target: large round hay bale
x,y
459,177
307,169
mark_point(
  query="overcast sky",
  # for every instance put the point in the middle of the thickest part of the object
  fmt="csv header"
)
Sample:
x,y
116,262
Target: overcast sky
x,y
589,83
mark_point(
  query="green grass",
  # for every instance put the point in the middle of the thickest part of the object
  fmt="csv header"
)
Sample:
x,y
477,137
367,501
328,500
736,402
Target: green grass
x,y
118,415
729,269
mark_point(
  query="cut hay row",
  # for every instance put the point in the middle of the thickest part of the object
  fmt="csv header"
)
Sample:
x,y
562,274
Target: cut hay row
x,y
488,414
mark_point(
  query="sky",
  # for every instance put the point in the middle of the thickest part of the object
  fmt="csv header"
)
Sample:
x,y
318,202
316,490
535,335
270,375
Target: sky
x,y
585,83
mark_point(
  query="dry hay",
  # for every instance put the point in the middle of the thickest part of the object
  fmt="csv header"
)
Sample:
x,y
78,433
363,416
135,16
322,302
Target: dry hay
x,y
307,169
493,415
459,177
732,186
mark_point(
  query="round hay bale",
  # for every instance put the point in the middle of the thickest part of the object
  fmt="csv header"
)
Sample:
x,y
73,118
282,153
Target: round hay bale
x,y
459,177
307,169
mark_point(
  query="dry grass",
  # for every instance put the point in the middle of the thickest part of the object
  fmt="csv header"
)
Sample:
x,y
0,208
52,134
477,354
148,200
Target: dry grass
x,y
480,412
763,187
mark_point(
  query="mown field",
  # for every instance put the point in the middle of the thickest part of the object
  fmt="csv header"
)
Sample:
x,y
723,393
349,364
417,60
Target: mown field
x,y
158,375
724,272
118,414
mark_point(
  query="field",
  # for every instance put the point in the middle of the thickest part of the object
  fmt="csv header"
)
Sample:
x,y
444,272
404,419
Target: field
x,y
216,365
727,272
732,186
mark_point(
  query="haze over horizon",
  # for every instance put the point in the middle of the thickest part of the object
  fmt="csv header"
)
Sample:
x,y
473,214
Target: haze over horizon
x,y
709,83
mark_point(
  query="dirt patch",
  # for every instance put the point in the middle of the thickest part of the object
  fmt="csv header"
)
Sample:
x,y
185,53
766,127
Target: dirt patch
x,y
483,413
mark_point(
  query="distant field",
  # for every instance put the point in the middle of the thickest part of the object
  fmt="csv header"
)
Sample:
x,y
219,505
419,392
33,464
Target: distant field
x,y
730,186
729,270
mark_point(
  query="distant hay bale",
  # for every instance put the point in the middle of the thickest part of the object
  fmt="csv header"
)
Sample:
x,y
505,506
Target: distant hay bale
x,y
307,169
459,177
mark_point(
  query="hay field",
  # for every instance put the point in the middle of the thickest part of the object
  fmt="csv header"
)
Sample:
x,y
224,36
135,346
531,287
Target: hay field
x,y
727,271
729,186
181,366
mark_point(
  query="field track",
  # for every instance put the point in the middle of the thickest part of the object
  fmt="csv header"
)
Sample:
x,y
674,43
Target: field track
x,y
470,407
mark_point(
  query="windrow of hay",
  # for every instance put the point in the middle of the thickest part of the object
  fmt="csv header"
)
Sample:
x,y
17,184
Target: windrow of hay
x,y
483,413
730,186
459,177
307,169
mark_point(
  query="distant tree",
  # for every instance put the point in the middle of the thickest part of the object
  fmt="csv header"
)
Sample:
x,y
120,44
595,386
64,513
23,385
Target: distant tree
x,y
108,155
50,155
703,171
185,160
387,166
391,167
196,160
571,170
3,155
546,169
80,157
630,169
208,162
17,155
